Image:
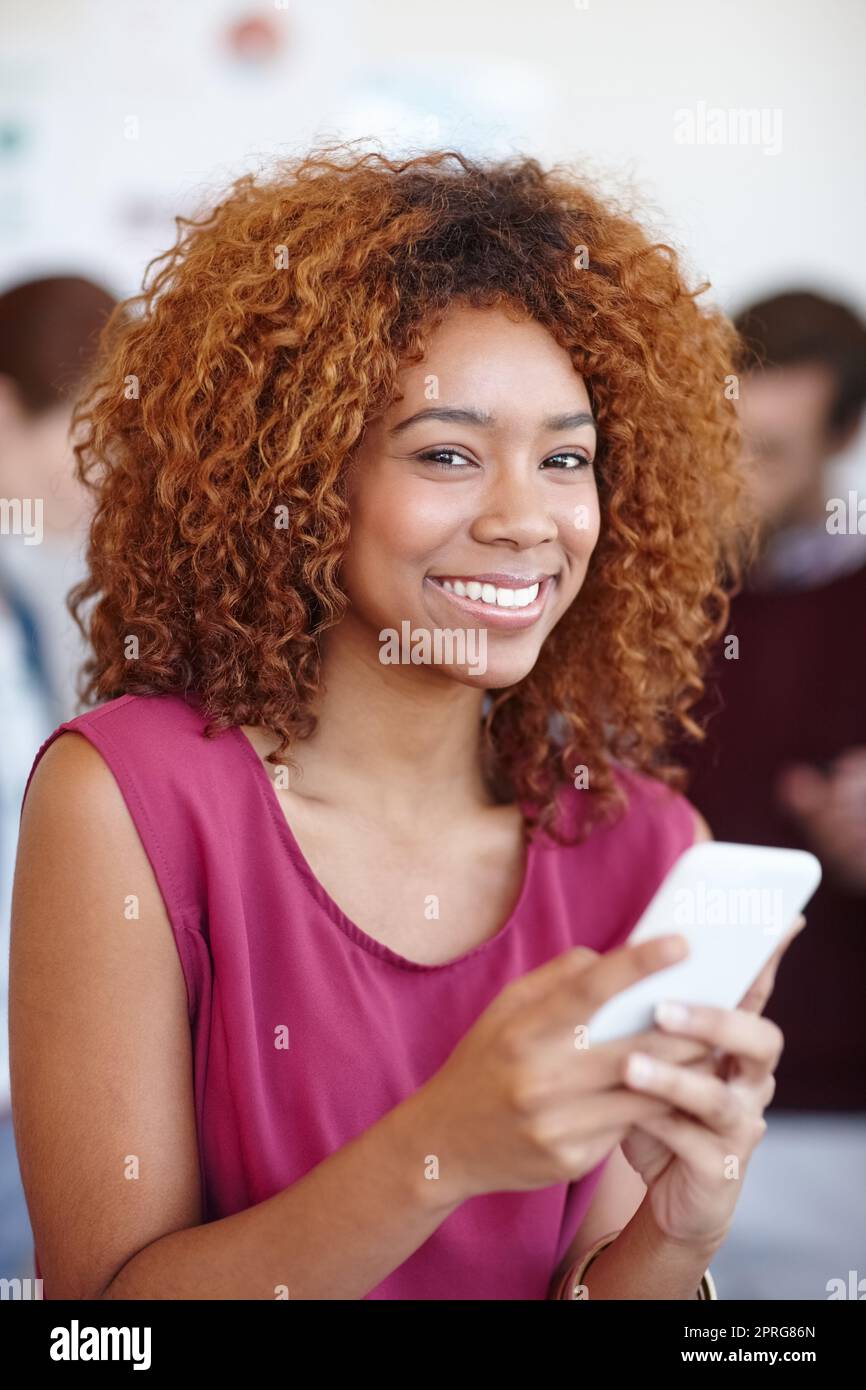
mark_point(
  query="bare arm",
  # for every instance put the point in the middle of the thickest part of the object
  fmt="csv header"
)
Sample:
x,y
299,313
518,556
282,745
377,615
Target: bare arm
x,y
619,1193
102,1093
642,1263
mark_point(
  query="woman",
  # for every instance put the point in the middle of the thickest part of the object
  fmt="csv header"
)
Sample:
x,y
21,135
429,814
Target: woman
x,y
413,484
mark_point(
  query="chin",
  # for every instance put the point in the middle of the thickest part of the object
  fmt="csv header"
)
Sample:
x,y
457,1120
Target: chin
x,y
501,670
473,656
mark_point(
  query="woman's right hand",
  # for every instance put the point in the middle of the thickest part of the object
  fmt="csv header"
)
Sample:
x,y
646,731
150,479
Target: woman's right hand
x,y
520,1103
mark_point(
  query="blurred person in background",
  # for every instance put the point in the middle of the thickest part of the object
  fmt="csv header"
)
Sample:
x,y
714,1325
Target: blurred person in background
x,y
48,330
784,763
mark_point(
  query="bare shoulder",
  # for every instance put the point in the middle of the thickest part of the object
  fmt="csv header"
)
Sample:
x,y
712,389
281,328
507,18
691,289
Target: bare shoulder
x,y
645,794
73,817
702,830
71,767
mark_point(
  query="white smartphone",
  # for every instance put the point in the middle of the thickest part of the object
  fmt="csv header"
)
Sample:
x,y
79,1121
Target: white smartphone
x,y
733,904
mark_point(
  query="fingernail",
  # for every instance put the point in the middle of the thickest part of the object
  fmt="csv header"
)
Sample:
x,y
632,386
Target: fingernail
x,y
640,1068
671,1015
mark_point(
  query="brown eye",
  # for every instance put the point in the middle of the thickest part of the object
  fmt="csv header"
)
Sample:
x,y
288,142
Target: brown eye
x,y
436,457
579,461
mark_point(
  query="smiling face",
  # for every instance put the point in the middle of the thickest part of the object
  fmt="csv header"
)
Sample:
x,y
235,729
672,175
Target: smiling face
x,y
473,499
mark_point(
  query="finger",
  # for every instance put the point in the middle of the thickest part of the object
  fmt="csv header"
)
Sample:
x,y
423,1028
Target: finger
x,y
754,1001
755,1042
657,1043
540,982
600,1067
693,1142
718,1106
575,986
606,1111
756,996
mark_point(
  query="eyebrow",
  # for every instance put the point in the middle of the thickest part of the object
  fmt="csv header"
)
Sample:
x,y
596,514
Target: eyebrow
x,y
454,415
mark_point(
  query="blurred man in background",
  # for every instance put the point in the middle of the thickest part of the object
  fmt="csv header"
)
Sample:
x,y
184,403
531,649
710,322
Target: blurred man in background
x,y
48,330
784,763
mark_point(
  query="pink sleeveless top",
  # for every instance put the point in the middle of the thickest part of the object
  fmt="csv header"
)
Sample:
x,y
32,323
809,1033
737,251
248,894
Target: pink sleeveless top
x,y
263,945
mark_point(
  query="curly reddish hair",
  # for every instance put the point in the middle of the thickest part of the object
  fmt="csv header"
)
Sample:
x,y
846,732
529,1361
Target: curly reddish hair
x,y
236,386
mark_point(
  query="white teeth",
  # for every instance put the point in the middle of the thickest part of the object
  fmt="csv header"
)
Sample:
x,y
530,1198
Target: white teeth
x,y
488,593
521,598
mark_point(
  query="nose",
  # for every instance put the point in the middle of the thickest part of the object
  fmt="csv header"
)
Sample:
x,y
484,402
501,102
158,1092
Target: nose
x,y
514,510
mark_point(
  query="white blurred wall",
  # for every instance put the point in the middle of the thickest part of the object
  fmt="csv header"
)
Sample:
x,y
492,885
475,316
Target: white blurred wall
x,y
115,117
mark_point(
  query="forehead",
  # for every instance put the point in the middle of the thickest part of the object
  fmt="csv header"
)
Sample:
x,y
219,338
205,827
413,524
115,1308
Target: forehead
x,y
787,397
506,363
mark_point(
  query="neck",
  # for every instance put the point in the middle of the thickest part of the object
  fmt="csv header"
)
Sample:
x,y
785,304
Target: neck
x,y
403,739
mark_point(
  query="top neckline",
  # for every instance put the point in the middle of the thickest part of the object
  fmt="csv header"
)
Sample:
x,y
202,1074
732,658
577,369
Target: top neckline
x,y
351,929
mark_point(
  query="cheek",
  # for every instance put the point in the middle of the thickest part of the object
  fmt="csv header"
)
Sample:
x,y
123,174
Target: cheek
x,y
396,533
580,527
403,525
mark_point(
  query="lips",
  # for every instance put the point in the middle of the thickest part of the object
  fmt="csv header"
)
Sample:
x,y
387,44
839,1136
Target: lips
x,y
502,578
510,603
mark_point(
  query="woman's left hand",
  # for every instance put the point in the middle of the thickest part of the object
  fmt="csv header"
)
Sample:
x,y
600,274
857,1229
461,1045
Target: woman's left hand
x,y
693,1161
